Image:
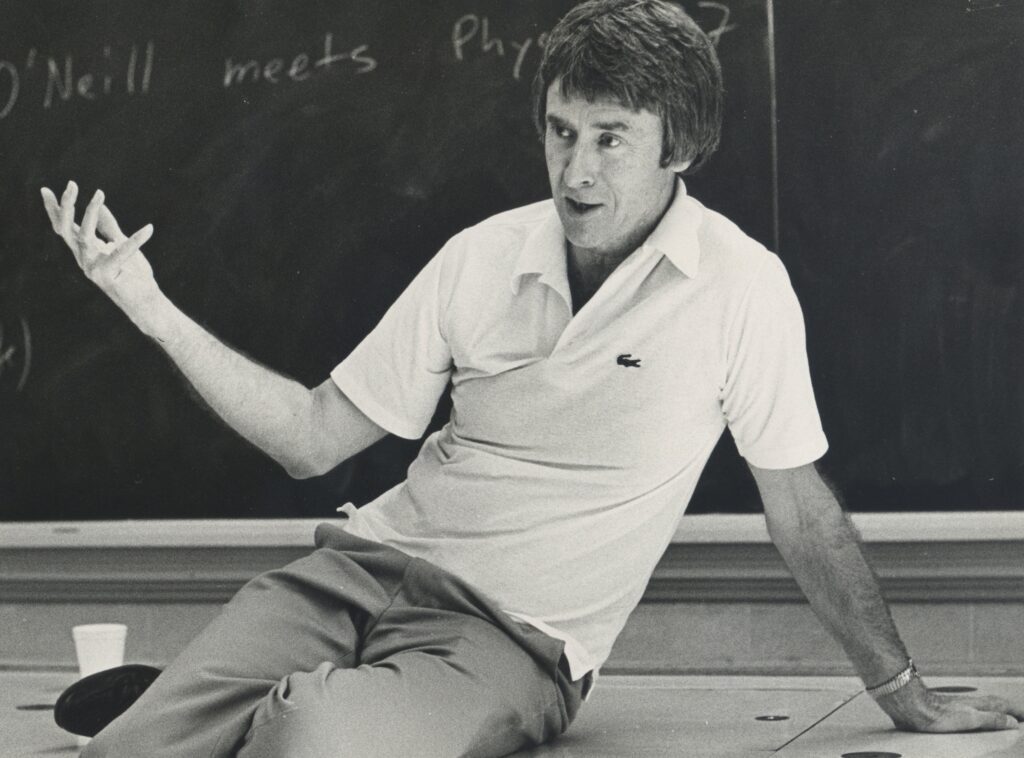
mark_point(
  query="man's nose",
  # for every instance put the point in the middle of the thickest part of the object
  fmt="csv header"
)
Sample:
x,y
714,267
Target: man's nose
x,y
582,168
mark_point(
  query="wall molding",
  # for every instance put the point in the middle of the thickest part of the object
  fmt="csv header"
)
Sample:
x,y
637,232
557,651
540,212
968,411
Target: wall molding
x,y
926,558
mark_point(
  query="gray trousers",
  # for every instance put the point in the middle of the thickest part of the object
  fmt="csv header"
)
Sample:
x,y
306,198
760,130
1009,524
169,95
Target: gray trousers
x,y
355,650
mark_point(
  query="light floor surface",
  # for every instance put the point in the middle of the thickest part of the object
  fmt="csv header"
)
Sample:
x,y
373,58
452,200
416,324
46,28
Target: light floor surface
x,y
639,716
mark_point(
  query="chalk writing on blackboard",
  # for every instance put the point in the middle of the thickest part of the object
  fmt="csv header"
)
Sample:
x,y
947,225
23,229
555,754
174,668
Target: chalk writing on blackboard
x,y
13,86
987,5
723,24
473,30
299,67
15,356
472,34
58,79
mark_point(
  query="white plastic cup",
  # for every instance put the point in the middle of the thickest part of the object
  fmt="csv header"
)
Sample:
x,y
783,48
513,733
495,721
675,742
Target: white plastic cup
x,y
99,646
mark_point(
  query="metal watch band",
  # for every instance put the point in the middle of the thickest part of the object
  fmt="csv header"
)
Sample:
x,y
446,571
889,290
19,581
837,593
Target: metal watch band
x,y
899,681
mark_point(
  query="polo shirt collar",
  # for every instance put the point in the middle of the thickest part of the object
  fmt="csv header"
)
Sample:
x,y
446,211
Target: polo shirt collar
x,y
675,237
543,253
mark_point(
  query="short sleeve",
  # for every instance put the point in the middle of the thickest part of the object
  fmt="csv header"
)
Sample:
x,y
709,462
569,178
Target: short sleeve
x,y
767,399
397,374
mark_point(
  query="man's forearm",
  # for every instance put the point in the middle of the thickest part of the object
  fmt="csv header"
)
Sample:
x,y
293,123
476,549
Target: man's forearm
x,y
306,431
822,549
271,411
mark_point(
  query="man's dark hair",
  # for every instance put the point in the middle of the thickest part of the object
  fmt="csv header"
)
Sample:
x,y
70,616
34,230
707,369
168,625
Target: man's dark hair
x,y
646,54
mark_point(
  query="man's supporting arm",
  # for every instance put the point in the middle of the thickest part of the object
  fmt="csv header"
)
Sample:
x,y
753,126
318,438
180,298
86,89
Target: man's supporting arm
x,y
822,549
306,431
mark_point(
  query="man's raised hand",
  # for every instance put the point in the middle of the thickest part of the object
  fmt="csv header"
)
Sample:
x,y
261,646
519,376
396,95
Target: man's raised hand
x,y
112,261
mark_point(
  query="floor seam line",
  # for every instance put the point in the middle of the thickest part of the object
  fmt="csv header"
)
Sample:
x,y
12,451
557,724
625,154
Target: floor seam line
x,y
809,728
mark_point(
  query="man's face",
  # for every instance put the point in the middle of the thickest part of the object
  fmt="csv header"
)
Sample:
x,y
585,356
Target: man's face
x,y
604,167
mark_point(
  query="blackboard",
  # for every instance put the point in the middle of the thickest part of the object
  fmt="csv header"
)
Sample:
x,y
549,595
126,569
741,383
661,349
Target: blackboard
x,y
901,197
299,167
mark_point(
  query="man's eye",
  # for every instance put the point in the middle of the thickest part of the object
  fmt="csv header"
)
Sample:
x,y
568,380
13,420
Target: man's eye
x,y
561,132
609,140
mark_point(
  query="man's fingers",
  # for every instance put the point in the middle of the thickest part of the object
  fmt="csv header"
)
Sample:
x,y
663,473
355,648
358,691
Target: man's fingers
x,y
130,245
55,209
999,705
87,231
87,248
992,703
973,720
52,206
990,721
67,213
108,226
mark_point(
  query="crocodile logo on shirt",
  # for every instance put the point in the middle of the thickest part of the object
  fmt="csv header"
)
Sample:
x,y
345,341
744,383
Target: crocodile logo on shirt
x,y
628,361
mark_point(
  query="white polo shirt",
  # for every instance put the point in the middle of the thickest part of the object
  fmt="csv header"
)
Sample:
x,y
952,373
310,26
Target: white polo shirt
x,y
575,442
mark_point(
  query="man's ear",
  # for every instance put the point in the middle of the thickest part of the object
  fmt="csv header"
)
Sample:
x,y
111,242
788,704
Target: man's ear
x,y
679,167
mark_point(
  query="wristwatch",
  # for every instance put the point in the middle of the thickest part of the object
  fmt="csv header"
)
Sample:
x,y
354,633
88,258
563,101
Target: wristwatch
x,y
899,681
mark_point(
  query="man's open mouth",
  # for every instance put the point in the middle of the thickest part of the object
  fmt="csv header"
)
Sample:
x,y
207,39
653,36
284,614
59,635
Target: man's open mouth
x,y
577,207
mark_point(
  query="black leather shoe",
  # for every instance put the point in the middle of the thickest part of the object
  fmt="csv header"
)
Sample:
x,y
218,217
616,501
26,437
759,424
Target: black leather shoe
x,y
94,701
